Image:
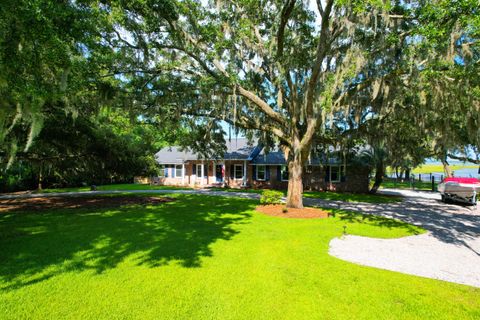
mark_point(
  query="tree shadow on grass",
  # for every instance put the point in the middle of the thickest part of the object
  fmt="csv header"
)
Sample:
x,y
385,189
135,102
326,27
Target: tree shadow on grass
x,y
35,247
378,221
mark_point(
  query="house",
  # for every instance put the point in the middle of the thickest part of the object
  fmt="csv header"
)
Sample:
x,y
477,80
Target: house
x,y
248,165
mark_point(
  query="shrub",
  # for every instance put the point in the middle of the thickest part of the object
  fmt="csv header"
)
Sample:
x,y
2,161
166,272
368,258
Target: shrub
x,y
271,197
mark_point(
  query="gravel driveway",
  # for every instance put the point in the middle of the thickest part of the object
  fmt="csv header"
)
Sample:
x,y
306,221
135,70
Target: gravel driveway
x,y
449,251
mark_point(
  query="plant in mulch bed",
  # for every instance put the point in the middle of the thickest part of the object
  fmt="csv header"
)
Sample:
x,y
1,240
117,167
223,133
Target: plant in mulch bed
x,y
285,210
271,197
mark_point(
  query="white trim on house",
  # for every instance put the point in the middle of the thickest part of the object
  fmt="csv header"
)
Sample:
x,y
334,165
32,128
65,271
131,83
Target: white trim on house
x,y
264,172
183,173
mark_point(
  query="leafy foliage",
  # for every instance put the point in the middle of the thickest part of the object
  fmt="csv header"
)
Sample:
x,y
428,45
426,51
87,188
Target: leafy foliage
x,y
95,149
397,75
280,68
271,197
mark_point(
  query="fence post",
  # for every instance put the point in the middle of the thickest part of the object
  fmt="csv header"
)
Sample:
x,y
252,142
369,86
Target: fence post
x,y
420,177
433,183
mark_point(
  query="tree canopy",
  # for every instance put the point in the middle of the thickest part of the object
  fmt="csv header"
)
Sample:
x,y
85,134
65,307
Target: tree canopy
x,y
292,71
393,75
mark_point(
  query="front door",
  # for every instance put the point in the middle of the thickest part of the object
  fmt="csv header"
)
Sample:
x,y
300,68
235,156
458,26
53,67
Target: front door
x,y
219,173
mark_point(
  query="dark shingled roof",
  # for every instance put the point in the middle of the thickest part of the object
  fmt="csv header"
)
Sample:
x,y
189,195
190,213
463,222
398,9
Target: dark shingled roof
x,y
275,157
173,155
237,149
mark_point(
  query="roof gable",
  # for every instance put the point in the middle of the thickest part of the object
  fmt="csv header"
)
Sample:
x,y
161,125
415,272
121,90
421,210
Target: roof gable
x,y
236,149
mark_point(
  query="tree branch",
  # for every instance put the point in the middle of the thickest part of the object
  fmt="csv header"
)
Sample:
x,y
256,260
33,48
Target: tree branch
x,y
322,48
245,123
464,159
320,7
262,105
321,52
285,15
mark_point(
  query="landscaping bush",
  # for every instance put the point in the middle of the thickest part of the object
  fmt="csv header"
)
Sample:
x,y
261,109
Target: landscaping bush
x,y
271,197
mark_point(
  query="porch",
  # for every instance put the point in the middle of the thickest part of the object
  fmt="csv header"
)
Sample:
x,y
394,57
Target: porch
x,y
205,173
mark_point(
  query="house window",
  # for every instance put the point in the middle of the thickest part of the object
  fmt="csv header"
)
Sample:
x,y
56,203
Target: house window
x,y
261,173
178,171
335,173
238,172
284,173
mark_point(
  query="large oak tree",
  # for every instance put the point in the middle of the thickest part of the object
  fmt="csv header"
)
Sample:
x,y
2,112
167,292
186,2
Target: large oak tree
x,y
281,68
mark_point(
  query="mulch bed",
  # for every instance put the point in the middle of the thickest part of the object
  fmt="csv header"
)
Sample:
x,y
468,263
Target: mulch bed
x,y
276,210
48,203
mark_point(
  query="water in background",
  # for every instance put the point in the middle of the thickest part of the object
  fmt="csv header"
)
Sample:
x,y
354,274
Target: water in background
x,y
468,173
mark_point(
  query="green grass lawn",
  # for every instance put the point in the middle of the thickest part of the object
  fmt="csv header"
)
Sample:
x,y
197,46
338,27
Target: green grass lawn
x,y
417,185
206,257
257,191
340,196
115,187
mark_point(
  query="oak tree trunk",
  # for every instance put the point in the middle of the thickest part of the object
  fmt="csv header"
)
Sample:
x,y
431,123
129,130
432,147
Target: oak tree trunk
x,y
379,173
295,184
407,174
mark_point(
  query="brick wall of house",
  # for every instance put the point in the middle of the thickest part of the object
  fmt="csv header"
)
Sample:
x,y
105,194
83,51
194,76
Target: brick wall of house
x,y
272,183
236,183
356,179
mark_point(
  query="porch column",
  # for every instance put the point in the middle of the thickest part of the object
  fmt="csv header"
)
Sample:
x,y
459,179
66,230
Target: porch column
x,y
202,175
224,168
183,173
245,173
